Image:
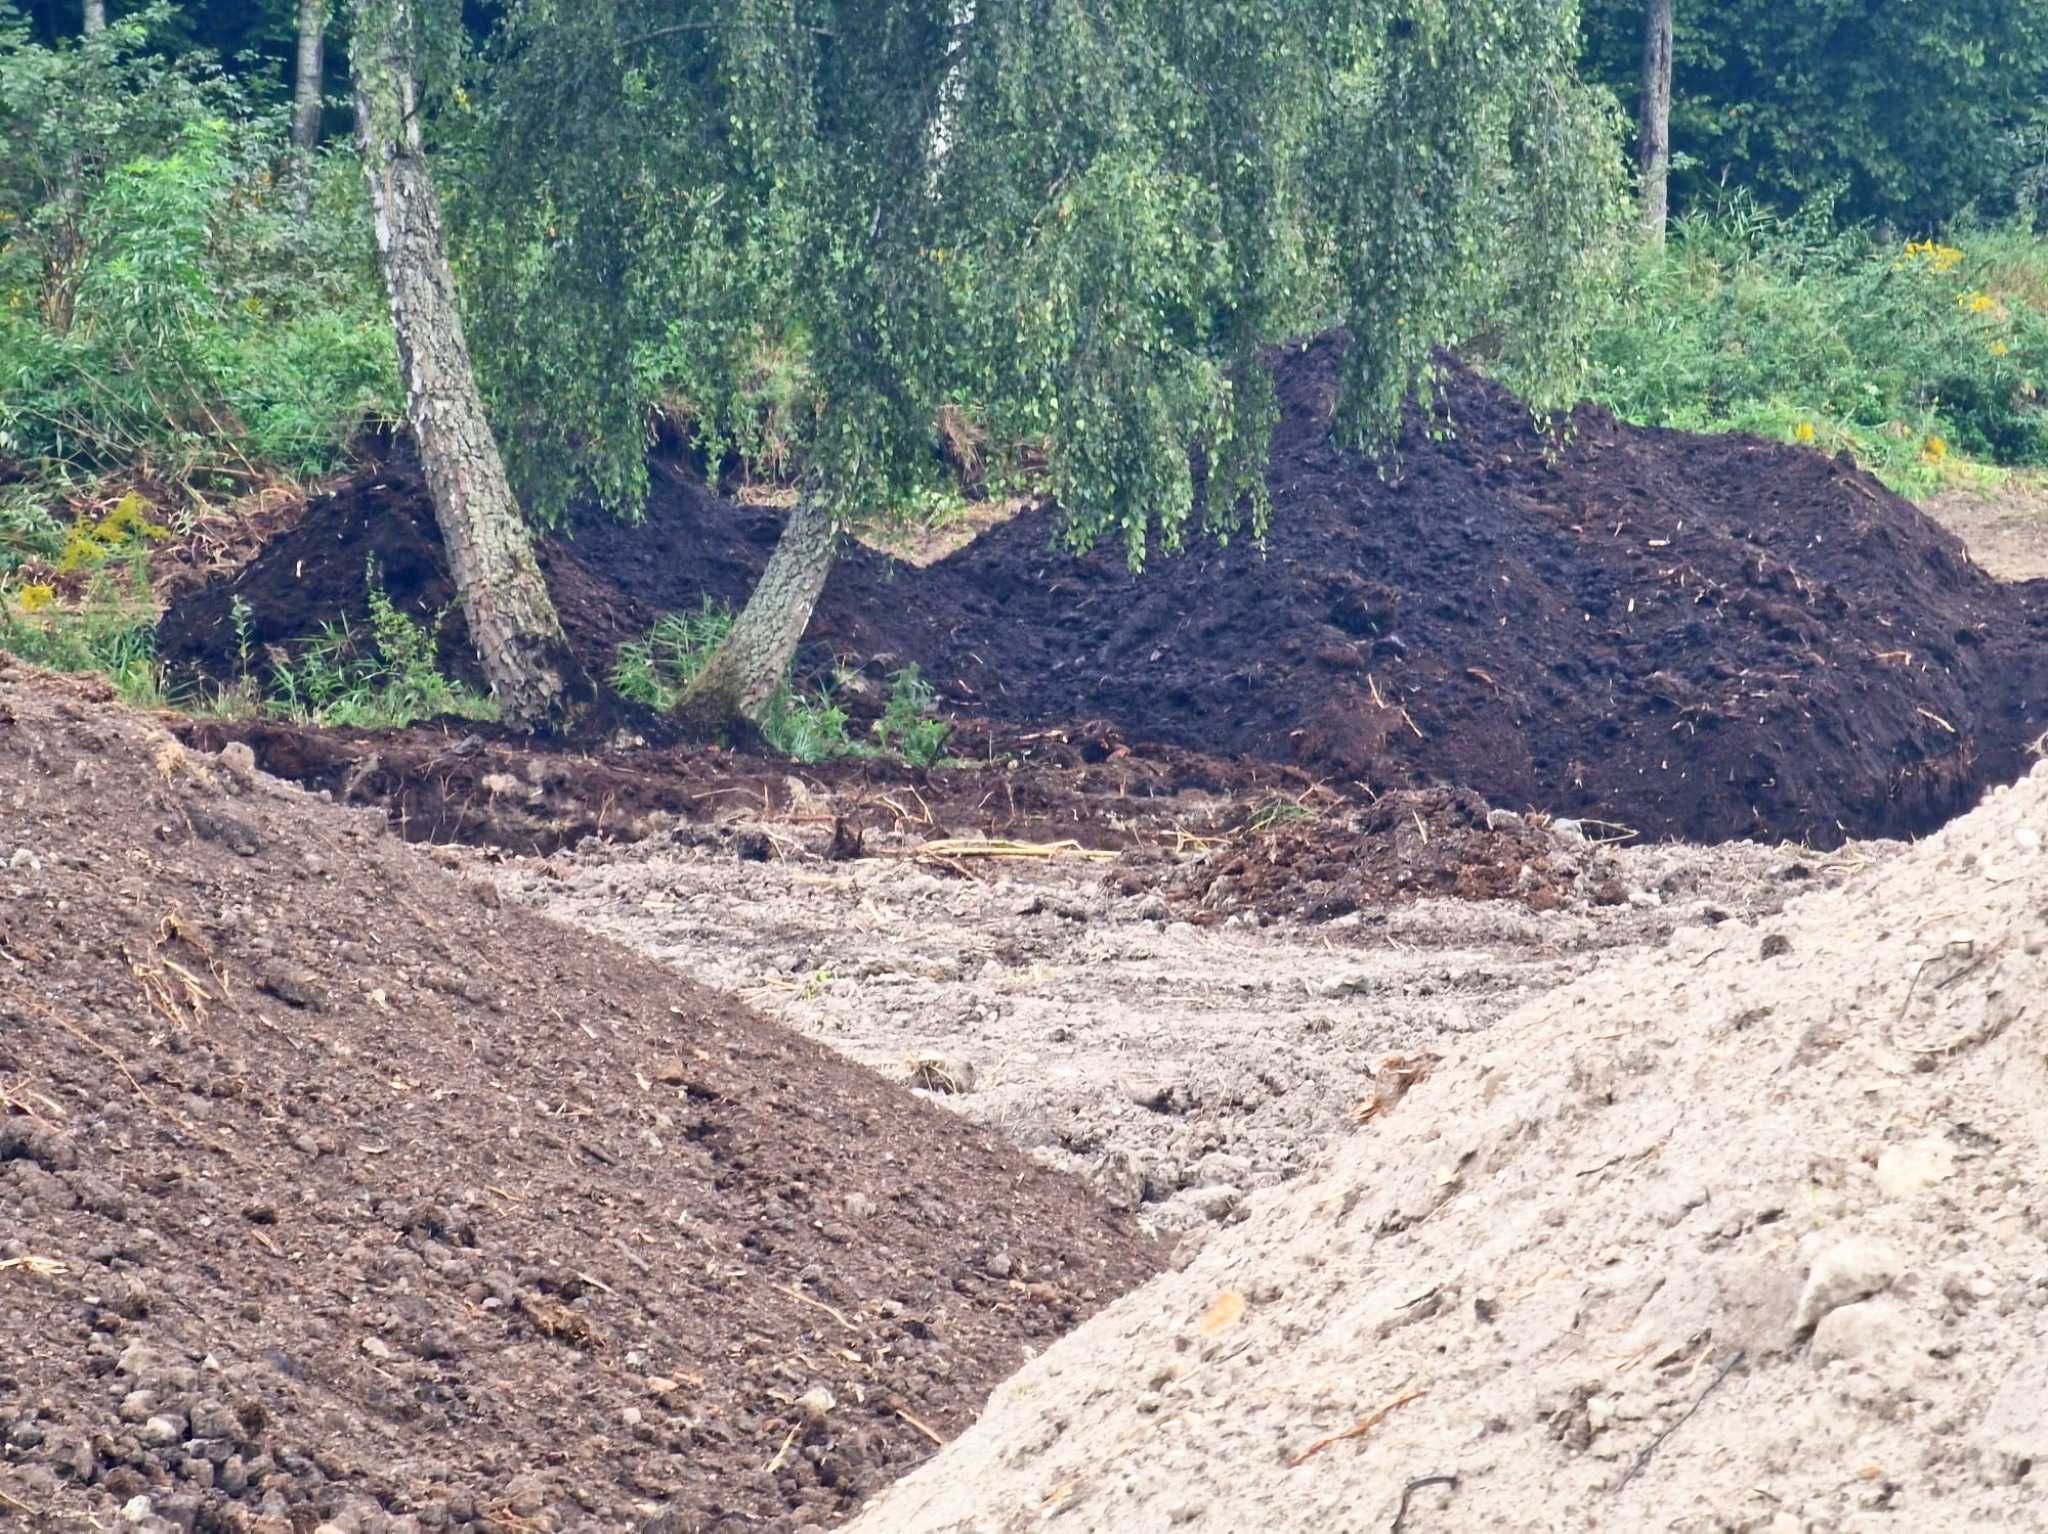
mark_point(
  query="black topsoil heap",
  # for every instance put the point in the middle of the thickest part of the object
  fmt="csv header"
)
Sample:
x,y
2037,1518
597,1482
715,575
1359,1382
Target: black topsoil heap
x,y
1702,637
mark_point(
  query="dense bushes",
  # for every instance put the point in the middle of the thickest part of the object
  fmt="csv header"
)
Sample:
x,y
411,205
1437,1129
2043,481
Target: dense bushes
x,y
180,301
1910,354
1910,114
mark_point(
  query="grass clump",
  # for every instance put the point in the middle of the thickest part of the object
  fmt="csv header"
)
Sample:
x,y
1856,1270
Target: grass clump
x,y
382,679
1925,360
807,727
908,728
657,670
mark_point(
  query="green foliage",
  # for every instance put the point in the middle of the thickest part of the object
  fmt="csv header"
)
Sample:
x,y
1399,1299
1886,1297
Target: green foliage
x,y
384,678
655,671
1078,223
809,727
382,681
908,727
1907,355
110,627
171,301
1914,112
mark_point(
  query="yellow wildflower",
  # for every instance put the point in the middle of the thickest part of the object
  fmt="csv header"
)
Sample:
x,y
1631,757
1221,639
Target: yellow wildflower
x,y
1803,432
1937,449
1938,258
35,598
1999,348
1976,302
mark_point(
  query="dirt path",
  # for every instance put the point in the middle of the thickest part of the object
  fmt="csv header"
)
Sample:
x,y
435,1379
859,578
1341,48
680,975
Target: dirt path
x,y
2006,529
1179,1066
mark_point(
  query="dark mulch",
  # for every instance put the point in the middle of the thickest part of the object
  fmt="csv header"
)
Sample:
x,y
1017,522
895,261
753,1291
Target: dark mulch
x,y
1310,860
331,1190
1703,637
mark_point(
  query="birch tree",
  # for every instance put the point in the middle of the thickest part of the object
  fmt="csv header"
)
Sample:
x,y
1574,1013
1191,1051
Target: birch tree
x,y
512,620
1079,221
1653,131
309,75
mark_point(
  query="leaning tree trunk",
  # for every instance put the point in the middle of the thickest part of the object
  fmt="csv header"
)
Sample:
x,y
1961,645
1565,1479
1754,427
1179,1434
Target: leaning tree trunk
x,y
95,16
511,619
749,669
310,77
1653,140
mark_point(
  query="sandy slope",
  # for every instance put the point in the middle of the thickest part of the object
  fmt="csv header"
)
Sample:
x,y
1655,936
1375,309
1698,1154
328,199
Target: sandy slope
x,y
1749,1236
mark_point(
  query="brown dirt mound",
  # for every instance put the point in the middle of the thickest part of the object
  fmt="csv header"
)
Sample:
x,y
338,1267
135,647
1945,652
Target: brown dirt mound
x,y
1289,860
1703,637
1706,637
331,1190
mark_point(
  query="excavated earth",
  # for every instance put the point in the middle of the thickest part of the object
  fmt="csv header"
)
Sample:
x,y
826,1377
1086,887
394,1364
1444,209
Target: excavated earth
x,y
337,1191
1529,1169
1701,637
1745,1236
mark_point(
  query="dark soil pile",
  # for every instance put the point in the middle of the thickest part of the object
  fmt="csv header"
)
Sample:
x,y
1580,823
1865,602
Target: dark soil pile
x,y
377,524
1703,637
329,1190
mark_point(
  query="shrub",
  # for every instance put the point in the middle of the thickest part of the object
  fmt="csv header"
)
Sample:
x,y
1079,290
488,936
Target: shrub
x,y
809,727
176,298
385,680
1750,321
907,726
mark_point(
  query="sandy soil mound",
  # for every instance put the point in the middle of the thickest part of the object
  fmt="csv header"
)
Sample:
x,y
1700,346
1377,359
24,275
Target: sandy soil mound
x,y
1751,1237
1706,637
332,1189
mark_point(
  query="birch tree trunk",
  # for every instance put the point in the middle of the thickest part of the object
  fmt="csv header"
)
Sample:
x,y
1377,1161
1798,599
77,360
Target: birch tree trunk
x,y
310,78
512,621
1653,139
95,16
749,669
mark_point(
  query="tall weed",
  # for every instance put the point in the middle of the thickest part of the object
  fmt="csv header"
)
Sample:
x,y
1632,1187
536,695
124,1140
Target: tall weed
x,y
1920,358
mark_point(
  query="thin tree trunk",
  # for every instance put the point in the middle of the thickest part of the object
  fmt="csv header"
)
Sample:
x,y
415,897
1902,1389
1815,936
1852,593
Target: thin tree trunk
x,y
310,79
1653,140
751,667
512,621
60,272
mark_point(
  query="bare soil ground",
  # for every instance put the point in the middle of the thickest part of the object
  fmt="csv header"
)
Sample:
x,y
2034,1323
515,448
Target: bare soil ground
x,y
1144,1021
336,1191
2006,530
1746,1236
